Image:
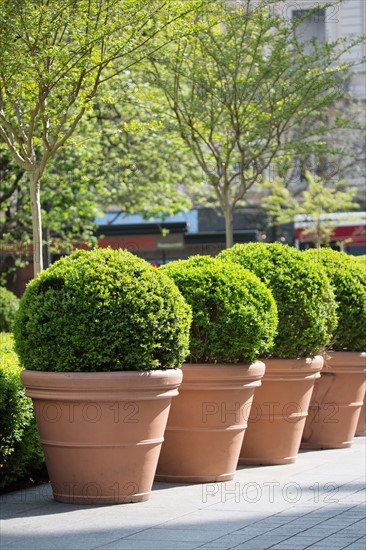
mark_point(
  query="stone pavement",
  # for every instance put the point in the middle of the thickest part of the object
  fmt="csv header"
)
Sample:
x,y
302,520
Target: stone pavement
x,y
316,503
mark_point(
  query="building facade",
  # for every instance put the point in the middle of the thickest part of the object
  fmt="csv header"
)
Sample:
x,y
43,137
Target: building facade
x,y
342,19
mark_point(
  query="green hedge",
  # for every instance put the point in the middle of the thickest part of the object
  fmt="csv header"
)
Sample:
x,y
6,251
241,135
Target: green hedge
x,y
234,314
8,306
348,278
20,447
102,310
304,297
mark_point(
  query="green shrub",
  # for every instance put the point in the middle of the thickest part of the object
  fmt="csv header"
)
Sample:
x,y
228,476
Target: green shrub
x,y
349,281
8,306
305,300
362,261
20,447
102,310
234,314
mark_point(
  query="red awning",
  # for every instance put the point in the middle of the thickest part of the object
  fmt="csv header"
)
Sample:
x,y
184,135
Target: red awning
x,y
354,234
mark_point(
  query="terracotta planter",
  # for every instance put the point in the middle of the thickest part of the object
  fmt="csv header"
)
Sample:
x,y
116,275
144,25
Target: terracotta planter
x,y
279,411
102,432
361,425
207,422
336,402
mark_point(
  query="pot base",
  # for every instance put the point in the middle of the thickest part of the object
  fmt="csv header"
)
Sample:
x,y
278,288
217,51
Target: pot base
x,y
266,461
101,500
324,446
194,479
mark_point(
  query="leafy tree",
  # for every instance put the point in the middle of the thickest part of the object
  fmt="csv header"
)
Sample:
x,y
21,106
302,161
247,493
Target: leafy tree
x,y
241,89
56,57
71,197
320,200
151,170
315,201
279,203
125,153
14,217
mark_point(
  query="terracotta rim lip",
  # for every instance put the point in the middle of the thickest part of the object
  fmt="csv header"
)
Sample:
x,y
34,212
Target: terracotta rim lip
x,y
345,360
156,373
361,354
302,365
218,374
296,360
222,366
101,381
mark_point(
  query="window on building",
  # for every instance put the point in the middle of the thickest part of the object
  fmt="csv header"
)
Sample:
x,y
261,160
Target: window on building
x,y
311,26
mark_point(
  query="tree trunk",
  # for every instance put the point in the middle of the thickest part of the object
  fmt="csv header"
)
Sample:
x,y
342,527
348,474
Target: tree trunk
x,y
228,214
274,231
47,248
35,196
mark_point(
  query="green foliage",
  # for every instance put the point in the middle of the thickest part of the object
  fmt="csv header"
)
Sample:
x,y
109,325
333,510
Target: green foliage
x,y
57,57
362,261
144,160
102,310
314,202
305,300
72,196
234,314
20,446
8,306
238,88
278,201
319,200
349,282
122,154
58,54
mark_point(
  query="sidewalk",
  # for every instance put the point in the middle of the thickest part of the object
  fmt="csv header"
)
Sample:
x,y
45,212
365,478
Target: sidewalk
x,y
316,503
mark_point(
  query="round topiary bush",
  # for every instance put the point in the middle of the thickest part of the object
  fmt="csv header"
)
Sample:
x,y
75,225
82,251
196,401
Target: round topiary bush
x,y
8,306
304,297
234,314
102,310
348,278
362,262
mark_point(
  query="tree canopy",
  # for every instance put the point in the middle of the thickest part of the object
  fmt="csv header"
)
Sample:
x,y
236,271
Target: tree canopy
x,y
56,57
125,154
241,90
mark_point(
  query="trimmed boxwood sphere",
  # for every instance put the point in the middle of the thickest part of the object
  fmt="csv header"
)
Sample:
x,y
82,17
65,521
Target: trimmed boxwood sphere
x,y
8,306
234,314
361,260
304,297
348,278
102,310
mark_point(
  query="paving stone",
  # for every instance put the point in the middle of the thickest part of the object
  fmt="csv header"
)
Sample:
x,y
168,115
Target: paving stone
x,y
146,545
180,517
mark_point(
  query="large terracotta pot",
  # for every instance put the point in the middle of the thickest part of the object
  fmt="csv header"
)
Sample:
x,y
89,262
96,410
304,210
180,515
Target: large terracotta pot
x,y
279,411
336,402
207,422
102,432
361,424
